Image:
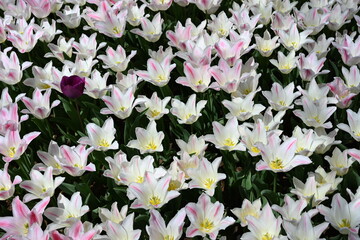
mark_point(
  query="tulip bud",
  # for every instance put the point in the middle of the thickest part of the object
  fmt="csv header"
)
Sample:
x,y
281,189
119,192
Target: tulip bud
x,y
73,86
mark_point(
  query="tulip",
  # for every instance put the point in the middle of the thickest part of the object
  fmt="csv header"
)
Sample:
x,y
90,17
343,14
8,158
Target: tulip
x,y
73,86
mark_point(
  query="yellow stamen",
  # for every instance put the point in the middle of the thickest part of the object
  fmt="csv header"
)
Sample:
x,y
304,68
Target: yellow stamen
x,y
266,236
276,164
151,146
286,66
140,179
255,149
12,151
228,142
345,223
104,143
169,237
154,113
299,149
4,188
317,119
173,185
123,109
160,78
199,82
282,103
209,182
116,30
206,225
154,200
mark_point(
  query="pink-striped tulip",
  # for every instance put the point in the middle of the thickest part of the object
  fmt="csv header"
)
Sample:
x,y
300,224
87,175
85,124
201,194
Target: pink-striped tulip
x,y
158,229
12,146
74,159
280,157
7,187
23,218
206,218
39,106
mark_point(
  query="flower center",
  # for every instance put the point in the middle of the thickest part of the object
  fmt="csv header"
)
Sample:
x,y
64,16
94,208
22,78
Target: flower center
x,y
116,30
228,142
206,225
266,236
151,146
154,113
317,119
345,223
11,152
140,179
209,182
282,103
4,188
286,66
160,78
255,149
169,237
276,164
154,200
104,143
199,82
173,185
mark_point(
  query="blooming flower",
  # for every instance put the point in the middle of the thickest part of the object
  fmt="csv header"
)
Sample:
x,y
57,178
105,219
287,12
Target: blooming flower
x,y
9,118
12,146
70,17
151,193
51,158
310,66
339,161
227,78
158,72
40,186
247,209
206,218
116,60
304,229
155,107
7,187
266,226
280,98
194,145
23,218
68,211
74,159
123,230
293,40
315,115
151,30
291,210
266,45
11,71
77,232
72,86
343,216
114,215
39,105
285,64
280,157
197,78
147,140
243,108
188,112
101,138
87,46
251,138
158,230
135,170
120,103
206,175
226,137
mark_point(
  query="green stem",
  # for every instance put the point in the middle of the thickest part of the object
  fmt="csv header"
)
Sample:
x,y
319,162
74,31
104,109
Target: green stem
x,y
275,182
78,113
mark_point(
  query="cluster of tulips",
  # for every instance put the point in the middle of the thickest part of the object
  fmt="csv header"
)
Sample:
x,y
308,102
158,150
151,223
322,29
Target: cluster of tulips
x,y
173,119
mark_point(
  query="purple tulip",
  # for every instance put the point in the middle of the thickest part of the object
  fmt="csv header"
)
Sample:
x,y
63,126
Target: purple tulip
x,y
73,86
